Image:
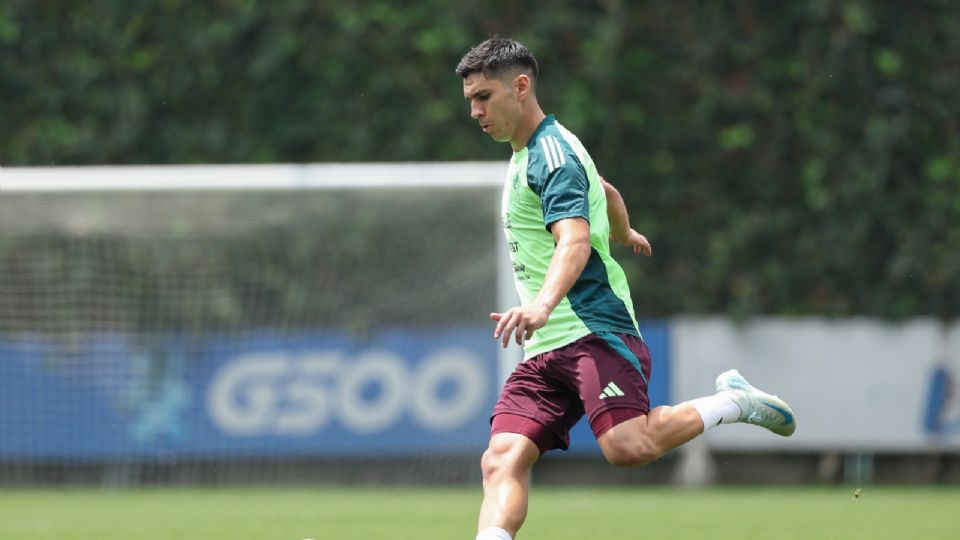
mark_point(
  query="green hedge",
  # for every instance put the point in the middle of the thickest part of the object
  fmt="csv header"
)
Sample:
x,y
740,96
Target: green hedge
x,y
790,158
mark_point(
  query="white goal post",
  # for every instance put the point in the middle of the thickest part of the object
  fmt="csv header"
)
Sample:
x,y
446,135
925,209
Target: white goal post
x,y
314,176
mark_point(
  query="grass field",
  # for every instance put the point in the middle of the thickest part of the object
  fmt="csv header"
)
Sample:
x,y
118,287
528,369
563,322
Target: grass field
x,y
448,514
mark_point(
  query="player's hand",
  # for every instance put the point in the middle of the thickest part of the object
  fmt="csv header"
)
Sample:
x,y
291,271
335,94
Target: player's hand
x,y
521,322
637,242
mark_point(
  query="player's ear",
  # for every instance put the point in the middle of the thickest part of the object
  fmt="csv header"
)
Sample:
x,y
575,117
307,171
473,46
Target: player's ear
x,y
522,85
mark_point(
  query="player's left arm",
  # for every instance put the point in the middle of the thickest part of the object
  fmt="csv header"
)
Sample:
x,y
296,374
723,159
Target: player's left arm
x,y
620,229
572,237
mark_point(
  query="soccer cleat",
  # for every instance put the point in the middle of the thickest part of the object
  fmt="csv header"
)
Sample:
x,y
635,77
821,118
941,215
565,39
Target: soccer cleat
x,y
757,407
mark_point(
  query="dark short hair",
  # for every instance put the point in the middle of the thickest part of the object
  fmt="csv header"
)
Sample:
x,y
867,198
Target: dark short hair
x,y
495,56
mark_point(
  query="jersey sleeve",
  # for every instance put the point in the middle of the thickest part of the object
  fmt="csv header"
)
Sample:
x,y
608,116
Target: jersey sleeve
x,y
560,181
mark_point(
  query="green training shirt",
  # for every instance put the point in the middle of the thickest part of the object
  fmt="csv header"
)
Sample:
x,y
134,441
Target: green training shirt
x,y
554,178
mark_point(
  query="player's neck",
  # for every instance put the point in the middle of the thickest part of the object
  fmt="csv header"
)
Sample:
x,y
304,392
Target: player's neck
x,y
528,124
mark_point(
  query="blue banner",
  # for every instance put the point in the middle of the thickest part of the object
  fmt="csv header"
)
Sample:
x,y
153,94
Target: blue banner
x,y
393,392
261,394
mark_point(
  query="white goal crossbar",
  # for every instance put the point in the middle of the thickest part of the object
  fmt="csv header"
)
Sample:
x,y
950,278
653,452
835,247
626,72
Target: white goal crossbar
x,y
252,177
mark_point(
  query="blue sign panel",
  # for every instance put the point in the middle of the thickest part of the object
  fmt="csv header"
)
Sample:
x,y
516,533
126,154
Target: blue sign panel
x,y
260,394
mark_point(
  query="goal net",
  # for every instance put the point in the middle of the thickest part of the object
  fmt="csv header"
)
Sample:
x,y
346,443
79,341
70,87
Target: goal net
x,y
248,323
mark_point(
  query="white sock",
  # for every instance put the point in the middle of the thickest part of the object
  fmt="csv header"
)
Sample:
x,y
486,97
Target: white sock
x,y
716,409
494,533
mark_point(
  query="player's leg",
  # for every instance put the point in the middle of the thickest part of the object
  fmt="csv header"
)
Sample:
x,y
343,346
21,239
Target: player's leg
x,y
628,434
609,373
640,440
506,471
531,417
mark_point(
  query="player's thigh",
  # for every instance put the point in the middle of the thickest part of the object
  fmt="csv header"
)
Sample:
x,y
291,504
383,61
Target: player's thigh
x,y
611,374
533,404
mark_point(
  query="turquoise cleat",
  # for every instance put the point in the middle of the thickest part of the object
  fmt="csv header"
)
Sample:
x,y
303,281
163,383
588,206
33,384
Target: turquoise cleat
x,y
757,407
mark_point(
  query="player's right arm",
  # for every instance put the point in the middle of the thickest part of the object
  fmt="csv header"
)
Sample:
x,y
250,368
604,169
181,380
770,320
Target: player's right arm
x,y
620,230
572,239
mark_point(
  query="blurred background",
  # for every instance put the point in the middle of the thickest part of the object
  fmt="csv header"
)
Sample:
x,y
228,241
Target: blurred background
x,y
795,165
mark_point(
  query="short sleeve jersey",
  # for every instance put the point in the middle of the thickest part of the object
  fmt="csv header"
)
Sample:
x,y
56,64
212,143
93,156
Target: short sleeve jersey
x,y
551,179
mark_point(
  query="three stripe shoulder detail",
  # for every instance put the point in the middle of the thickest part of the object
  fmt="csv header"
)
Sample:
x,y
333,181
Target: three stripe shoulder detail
x,y
552,152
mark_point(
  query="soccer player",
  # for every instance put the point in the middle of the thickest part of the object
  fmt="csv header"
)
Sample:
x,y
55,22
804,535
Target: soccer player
x,y
583,353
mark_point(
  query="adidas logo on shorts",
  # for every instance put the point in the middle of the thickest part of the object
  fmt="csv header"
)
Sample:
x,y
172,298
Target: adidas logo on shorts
x,y
612,390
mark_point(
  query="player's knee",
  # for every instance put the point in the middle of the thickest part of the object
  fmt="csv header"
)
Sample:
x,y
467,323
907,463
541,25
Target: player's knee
x,y
499,456
630,452
489,463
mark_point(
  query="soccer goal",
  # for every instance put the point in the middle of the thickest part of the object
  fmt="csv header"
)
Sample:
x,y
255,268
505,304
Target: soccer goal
x,y
230,323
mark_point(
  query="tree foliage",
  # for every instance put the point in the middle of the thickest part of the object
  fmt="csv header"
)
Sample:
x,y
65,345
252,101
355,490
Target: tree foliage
x,y
792,158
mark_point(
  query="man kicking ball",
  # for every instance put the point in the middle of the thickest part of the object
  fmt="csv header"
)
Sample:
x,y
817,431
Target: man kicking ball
x,y
583,353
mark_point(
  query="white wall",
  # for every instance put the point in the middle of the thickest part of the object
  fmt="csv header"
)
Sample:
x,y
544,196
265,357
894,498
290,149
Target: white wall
x,y
855,384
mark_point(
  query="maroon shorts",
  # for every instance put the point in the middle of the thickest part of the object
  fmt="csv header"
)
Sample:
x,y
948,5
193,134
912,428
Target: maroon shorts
x,y
603,375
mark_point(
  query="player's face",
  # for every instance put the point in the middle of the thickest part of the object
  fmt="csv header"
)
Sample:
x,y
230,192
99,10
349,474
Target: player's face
x,y
494,104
